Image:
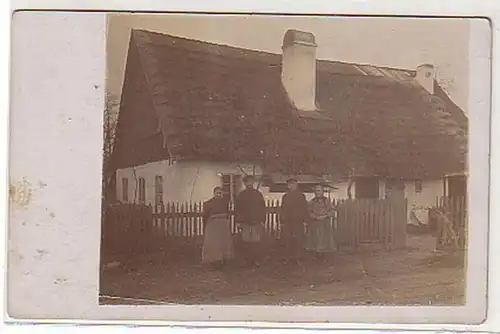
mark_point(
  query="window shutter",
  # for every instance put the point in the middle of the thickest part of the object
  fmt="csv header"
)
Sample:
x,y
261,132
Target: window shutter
x,y
226,184
418,186
231,185
158,190
142,190
124,189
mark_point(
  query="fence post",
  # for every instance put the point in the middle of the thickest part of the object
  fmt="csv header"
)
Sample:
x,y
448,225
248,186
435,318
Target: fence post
x,y
195,219
148,225
178,220
402,221
162,228
355,208
168,220
191,220
393,206
267,221
350,220
370,221
386,223
465,222
346,228
380,220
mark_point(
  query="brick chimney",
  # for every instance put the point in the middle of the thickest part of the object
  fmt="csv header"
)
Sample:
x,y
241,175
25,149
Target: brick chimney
x,y
426,75
298,72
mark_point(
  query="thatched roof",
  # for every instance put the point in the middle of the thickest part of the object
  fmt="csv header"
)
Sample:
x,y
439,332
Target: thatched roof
x,y
188,99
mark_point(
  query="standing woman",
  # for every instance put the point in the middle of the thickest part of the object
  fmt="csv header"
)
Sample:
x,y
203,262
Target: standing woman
x,y
320,239
218,245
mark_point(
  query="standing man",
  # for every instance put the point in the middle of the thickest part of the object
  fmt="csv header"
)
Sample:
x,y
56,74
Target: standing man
x,y
294,214
250,213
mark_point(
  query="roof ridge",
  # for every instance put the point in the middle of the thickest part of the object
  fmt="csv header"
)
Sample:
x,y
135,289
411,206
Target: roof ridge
x,y
213,45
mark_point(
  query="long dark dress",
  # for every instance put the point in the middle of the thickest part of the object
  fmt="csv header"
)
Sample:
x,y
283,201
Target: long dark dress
x,y
320,229
217,241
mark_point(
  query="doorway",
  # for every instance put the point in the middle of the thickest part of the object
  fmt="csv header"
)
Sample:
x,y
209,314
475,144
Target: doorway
x,y
394,189
457,186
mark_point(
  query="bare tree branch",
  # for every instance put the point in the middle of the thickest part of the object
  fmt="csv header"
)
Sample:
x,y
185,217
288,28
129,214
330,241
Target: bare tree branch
x,y
109,137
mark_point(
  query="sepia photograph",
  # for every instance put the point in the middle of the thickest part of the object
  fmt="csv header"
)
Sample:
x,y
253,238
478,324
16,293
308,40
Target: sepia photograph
x,y
274,160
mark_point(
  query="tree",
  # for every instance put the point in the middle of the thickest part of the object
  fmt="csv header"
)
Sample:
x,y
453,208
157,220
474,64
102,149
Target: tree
x,y
111,110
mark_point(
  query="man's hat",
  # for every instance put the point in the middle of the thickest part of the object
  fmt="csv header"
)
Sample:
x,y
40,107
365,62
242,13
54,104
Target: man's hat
x,y
292,180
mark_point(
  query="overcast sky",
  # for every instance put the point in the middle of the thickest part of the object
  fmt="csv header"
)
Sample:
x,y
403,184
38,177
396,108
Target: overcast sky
x,y
395,42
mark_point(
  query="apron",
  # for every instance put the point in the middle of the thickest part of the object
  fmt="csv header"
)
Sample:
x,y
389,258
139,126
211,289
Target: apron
x,y
218,240
320,235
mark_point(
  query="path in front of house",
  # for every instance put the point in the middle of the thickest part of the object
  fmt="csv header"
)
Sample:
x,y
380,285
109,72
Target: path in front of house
x,y
413,276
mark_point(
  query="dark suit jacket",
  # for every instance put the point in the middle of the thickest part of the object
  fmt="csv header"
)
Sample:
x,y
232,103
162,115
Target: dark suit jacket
x,y
250,207
294,208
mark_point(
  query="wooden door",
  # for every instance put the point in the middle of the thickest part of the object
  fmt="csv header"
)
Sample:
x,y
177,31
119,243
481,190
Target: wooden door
x,y
366,187
457,186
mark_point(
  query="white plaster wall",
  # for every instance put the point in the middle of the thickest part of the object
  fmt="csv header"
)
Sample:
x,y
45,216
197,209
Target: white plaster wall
x,y
194,181
431,190
341,191
183,181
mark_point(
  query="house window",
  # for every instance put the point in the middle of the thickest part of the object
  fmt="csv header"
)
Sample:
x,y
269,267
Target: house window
x,y
231,185
125,189
142,190
366,187
418,186
158,190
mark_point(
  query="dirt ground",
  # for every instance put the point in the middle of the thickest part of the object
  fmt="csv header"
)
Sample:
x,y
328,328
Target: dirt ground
x,y
412,276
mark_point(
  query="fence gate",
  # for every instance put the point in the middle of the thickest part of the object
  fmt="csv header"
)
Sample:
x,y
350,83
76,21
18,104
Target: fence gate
x,y
372,221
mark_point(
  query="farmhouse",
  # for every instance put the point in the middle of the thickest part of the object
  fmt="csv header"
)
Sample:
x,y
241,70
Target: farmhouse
x,y
194,115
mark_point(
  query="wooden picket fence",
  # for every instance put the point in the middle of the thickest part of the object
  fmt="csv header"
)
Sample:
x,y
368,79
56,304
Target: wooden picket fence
x,y
185,219
371,221
126,228
139,228
455,209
